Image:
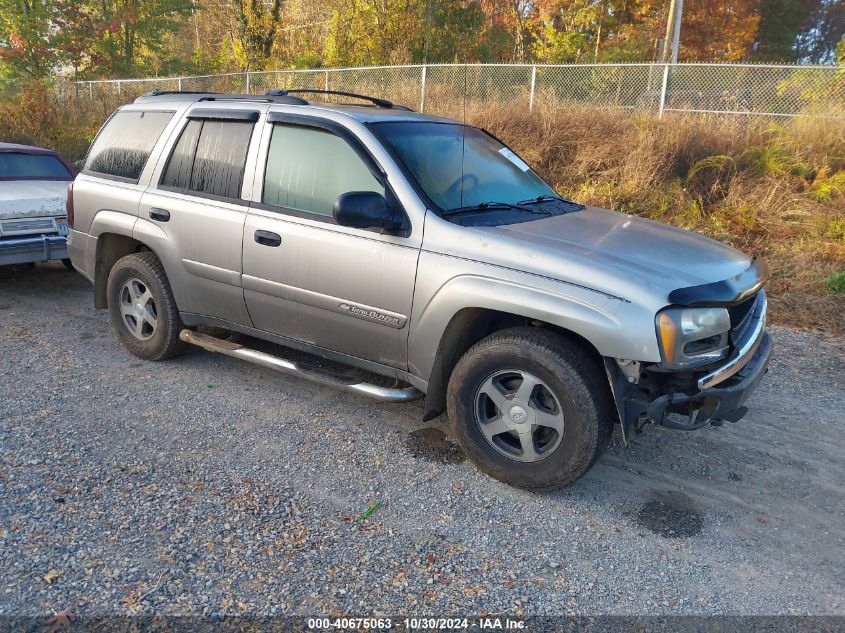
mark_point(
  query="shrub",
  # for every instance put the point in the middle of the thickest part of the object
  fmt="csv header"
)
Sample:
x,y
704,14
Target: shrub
x,y
770,189
836,281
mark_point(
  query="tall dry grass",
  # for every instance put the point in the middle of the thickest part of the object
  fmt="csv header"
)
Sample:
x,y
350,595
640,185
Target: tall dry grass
x,y
770,188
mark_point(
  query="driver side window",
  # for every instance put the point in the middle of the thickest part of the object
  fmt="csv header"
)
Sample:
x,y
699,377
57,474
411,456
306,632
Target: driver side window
x,y
308,168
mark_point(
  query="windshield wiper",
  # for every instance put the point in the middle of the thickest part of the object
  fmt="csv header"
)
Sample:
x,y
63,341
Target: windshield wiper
x,y
546,197
492,206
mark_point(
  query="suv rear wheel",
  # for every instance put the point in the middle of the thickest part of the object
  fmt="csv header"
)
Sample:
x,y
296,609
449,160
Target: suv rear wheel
x,y
142,309
531,407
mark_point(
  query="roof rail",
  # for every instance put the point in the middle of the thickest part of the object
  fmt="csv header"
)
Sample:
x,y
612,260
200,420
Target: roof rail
x,y
188,95
381,103
272,96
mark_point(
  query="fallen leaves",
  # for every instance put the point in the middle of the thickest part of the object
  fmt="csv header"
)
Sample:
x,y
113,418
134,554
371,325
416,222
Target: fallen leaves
x,y
51,576
60,620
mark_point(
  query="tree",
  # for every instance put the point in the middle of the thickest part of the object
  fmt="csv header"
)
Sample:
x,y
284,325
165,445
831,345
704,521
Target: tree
x,y
718,30
451,31
257,23
517,18
598,30
27,46
131,33
781,22
822,32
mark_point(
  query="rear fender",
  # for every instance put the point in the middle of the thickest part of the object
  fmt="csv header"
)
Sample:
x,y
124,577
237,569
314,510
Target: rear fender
x,y
106,221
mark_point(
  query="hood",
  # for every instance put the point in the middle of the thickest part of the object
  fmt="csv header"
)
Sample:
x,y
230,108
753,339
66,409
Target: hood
x,y
634,244
32,198
614,253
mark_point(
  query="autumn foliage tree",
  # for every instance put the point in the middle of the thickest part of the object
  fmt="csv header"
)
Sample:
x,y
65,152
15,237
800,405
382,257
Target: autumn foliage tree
x,y
121,38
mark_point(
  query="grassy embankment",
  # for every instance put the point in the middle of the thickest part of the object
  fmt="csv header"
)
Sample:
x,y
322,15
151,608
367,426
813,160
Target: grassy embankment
x,y
769,187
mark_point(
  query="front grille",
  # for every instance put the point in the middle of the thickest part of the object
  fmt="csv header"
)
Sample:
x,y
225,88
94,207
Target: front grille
x,y
740,315
27,225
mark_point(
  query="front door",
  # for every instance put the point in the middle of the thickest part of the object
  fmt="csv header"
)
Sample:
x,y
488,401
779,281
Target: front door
x,y
307,278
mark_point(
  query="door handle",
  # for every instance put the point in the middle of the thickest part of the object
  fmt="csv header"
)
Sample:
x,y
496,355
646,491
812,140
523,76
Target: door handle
x,y
159,215
268,238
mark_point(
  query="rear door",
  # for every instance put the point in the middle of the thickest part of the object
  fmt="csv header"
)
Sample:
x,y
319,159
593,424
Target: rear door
x,y
307,278
196,212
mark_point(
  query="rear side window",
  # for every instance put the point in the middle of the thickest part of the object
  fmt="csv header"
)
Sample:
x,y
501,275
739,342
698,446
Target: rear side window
x,y
308,168
177,174
21,166
209,158
123,146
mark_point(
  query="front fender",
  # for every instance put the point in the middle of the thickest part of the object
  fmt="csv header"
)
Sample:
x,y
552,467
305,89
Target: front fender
x,y
615,326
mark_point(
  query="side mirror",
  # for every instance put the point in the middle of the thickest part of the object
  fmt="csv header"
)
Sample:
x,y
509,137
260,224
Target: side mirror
x,y
364,210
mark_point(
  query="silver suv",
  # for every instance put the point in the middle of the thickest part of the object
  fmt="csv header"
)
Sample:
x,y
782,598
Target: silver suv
x,y
420,249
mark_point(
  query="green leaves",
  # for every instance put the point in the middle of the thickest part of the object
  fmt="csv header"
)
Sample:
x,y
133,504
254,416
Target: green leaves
x,y
91,38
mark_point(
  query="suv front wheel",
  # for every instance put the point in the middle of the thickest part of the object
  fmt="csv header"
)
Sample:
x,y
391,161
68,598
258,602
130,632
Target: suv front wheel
x,y
142,309
532,408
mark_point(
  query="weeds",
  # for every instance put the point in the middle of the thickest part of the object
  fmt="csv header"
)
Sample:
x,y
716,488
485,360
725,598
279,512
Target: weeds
x,y
775,190
770,188
836,282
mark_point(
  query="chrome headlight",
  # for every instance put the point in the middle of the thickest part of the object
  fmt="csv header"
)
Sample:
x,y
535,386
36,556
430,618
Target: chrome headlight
x,y
692,336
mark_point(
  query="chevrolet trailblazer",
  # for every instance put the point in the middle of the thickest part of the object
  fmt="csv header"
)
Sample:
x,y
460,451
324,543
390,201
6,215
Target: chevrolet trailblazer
x,y
418,248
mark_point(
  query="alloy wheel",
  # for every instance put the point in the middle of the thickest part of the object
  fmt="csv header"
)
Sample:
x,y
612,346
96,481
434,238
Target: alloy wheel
x,y
138,309
519,415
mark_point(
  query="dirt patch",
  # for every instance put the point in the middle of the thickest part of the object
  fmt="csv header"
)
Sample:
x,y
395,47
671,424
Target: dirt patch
x,y
671,514
431,444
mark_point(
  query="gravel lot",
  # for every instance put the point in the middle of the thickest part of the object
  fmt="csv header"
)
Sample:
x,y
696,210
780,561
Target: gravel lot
x,y
205,485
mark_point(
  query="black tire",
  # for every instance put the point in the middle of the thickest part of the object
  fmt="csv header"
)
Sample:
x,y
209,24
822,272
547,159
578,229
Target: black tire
x,y
163,340
569,373
68,264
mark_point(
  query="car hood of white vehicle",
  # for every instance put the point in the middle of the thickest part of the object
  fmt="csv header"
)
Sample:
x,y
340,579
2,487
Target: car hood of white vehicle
x,y
32,198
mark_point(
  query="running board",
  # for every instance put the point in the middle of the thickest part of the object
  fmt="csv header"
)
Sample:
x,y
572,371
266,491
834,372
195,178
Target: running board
x,y
384,394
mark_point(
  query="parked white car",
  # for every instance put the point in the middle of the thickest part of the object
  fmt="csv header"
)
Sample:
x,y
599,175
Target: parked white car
x,y
33,197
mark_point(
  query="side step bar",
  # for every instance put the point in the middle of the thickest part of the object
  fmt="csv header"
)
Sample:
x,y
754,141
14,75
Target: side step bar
x,y
384,394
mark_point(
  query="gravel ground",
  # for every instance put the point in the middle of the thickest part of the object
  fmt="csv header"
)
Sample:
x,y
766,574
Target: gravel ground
x,y
206,485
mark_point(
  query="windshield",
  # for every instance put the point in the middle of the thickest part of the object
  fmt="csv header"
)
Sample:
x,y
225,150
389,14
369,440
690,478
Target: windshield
x,y
461,166
21,166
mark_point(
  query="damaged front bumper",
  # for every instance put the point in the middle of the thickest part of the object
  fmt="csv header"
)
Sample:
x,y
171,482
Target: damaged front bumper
x,y
724,402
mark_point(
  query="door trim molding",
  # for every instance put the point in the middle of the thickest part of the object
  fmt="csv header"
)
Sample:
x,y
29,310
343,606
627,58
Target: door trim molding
x,y
215,273
325,302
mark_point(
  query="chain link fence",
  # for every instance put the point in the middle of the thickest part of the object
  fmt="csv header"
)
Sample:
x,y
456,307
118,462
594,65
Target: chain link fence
x,y
731,89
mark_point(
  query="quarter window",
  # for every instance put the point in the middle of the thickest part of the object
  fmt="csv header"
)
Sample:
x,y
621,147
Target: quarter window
x,y
308,168
209,158
123,146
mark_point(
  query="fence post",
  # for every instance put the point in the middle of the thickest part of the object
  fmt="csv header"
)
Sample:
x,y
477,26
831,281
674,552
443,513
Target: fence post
x,y
663,90
326,80
533,85
247,82
422,88
118,89
91,90
179,84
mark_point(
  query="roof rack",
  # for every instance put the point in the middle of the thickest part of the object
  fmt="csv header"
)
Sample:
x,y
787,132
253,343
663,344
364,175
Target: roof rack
x,y
272,96
381,103
188,95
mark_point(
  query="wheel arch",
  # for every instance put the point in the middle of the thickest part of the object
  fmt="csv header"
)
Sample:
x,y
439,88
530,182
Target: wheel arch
x,y
465,329
110,248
